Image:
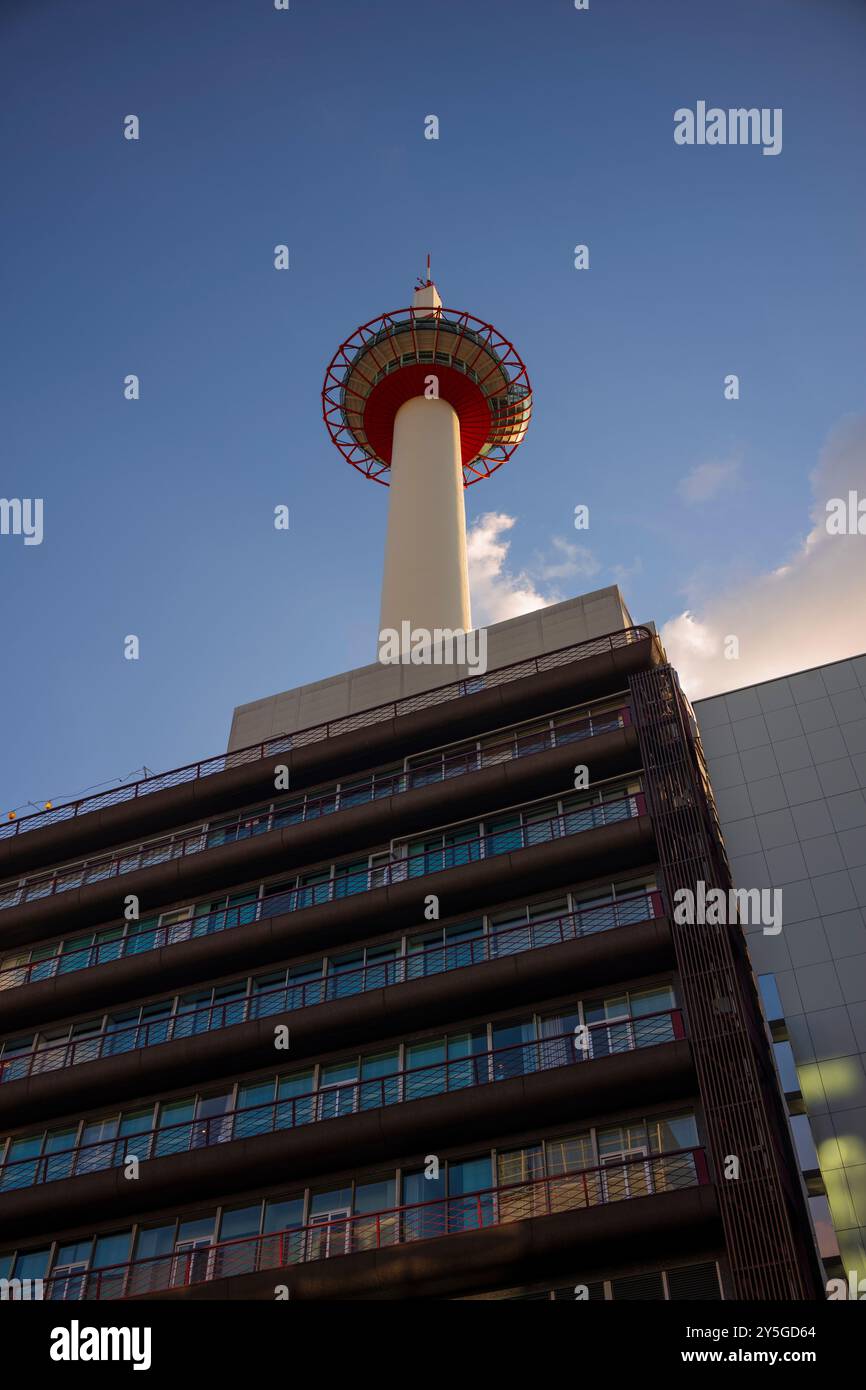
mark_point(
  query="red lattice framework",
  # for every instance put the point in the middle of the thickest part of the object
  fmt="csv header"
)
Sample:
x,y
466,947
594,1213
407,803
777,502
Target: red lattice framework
x,y
390,359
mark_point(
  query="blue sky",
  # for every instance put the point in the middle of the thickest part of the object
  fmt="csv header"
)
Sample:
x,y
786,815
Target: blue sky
x,y
307,127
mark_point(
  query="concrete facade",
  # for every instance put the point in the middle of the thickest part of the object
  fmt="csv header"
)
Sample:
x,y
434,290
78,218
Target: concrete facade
x,y
545,630
787,761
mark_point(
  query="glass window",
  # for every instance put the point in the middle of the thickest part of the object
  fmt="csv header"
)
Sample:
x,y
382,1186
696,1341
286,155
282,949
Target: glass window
x,y
331,1229
515,1052
652,1001
270,995
97,1149
111,1250
426,955
346,972
426,1059
569,1155
427,1210
335,1199
521,1173
380,1086
673,1132
60,1144
350,878
520,1165
284,1213
503,834
375,1195
137,1123
784,1055
306,985
33,1265
173,1134
466,1209
297,1092
201,1228
76,955
74,1253
240,1221
380,969
372,1231
109,1271
239,1250
154,1240
337,1094
770,998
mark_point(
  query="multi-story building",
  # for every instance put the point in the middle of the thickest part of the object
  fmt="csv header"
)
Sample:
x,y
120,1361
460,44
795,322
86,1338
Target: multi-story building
x,y
390,1001
787,760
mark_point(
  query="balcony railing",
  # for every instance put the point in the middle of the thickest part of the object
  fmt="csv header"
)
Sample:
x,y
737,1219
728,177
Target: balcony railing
x,y
331,1102
342,885
456,690
130,858
619,1179
340,984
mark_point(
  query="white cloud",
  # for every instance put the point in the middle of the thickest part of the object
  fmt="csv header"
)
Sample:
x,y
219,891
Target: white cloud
x,y
497,593
809,611
569,560
623,574
707,480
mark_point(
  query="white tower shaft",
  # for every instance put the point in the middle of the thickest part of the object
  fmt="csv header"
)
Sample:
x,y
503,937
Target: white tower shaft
x,y
426,578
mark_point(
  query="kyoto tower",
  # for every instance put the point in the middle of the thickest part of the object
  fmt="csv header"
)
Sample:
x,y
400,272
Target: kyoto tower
x,y
428,401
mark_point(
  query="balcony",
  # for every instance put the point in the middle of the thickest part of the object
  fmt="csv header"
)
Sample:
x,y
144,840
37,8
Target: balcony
x,y
346,881
596,1042
343,984
342,746
303,809
653,1177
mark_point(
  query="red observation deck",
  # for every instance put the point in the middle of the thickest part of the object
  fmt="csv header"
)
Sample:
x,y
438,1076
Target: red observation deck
x,y
389,360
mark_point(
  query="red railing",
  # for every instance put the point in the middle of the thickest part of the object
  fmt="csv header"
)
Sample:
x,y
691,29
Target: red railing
x,y
340,984
333,1102
334,1235
207,767
342,885
130,858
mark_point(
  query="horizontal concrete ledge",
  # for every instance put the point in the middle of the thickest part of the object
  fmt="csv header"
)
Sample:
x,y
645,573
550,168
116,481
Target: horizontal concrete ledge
x,y
658,1074
477,886
377,1015
306,846
342,755
663,1226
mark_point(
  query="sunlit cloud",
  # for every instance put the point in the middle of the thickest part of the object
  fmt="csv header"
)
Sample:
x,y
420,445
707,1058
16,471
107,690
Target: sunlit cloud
x,y
707,480
498,592
806,612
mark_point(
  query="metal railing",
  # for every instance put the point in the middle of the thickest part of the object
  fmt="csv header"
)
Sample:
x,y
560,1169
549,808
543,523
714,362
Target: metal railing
x,y
338,984
317,733
333,1235
347,1098
149,853
342,885
330,1102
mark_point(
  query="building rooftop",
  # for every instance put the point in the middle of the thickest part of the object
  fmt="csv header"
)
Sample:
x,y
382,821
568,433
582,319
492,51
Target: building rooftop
x,y
518,639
